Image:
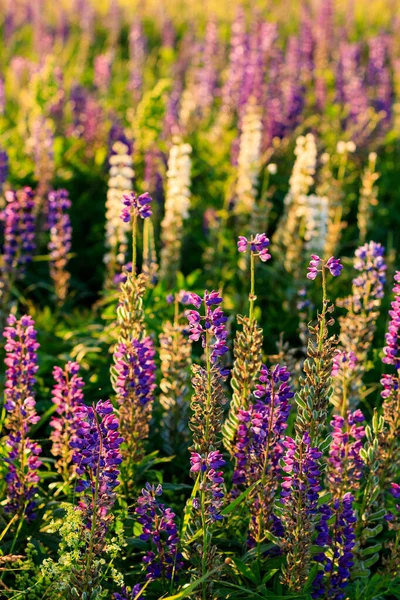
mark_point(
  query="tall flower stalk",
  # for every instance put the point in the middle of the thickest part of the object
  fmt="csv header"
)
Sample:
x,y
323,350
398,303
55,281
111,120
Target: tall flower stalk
x,y
175,357
96,456
177,202
60,241
66,395
247,347
315,391
207,402
357,327
389,441
22,453
19,239
133,372
258,449
119,184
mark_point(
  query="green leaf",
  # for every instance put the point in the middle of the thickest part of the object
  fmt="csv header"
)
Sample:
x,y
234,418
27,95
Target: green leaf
x,y
188,589
231,507
189,507
245,571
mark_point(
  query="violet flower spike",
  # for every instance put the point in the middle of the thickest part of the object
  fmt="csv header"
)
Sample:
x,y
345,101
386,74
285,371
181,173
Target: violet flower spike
x,y
96,456
212,323
391,350
159,527
22,457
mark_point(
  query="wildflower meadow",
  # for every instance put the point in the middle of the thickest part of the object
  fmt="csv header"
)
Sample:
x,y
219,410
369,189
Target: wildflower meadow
x,y
200,300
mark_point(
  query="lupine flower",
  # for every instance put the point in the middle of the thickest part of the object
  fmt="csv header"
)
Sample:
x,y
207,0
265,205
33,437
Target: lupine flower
x,y
258,447
60,240
158,527
212,484
214,325
338,559
136,205
119,184
248,162
258,245
345,465
96,455
19,230
177,203
342,361
134,383
392,337
358,326
368,287
66,395
332,264
299,497
22,453
102,71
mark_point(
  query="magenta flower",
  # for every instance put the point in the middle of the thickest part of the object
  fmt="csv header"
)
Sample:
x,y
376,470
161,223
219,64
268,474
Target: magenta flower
x,y
213,482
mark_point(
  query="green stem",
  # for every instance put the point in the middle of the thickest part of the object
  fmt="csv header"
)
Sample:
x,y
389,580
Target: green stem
x,y
252,296
95,498
203,492
134,250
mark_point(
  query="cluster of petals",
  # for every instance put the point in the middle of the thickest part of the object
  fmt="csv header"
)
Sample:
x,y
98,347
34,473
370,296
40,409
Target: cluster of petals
x,y
302,474
391,349
212,482
133,205
22,453
337,560
212,323
342,362
96,456
159,527
258,245
135,368
317,264
368,287
19,228
345,449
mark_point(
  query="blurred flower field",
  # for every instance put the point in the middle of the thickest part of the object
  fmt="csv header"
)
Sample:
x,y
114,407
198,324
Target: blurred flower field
x,y
200,300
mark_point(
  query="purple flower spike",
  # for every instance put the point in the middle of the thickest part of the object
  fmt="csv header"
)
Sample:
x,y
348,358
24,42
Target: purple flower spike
x,y
96,456
67,394
213,482
19,230
136,205
159,527
391,350
345,465
258,245
336,563
22,458
212,323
